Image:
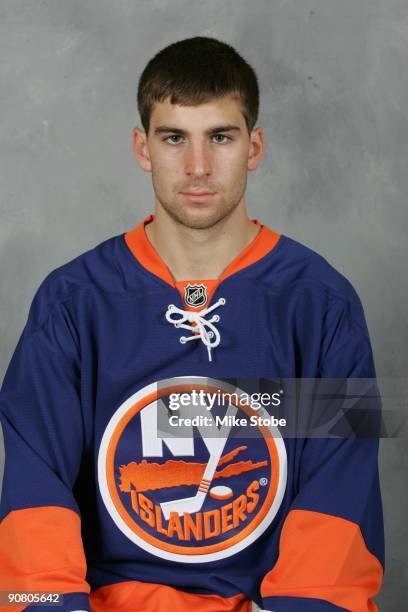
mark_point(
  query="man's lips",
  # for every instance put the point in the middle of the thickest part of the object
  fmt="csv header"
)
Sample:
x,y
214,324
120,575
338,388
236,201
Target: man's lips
x,y
195,192
198,196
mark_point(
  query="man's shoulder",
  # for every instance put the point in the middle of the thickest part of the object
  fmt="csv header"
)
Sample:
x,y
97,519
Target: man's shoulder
x,y
93,269
299,265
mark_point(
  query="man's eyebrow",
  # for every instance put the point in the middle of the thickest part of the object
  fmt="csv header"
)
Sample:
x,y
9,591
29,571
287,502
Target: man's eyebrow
x,y
167,129
223,128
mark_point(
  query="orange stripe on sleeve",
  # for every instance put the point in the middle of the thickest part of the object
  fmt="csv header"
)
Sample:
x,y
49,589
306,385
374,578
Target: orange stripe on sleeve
x,y
324,557
141,596
41,550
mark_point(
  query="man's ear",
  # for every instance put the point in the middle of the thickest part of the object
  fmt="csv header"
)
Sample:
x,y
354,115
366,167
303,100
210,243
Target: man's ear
x,y
140,149
256,148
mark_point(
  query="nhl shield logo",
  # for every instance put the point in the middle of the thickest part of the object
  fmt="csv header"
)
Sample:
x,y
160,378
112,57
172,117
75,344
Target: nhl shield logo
x,y
195,295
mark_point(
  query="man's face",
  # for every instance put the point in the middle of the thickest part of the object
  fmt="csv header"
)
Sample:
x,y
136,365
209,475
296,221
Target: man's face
x,y
199,157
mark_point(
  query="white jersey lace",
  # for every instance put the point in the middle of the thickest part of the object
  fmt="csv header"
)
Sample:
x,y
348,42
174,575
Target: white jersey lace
x,y
206,329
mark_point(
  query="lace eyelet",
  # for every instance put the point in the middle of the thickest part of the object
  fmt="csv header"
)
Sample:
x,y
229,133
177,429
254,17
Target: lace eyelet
x,y
199,324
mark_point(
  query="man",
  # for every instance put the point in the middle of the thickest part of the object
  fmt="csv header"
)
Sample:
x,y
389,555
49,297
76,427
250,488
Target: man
x,y
102,501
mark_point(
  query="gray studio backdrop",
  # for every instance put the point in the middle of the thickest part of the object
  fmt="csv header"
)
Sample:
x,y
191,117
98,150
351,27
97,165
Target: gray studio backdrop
x,y
334,88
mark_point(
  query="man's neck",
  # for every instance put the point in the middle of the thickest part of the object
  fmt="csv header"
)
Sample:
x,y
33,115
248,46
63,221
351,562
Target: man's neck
x,y
194,254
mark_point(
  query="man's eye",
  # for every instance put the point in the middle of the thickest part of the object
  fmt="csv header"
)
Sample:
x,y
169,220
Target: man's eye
x,y
223,137
176,138
170,139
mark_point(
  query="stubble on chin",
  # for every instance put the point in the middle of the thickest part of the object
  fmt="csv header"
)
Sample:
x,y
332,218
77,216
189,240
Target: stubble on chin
x,y
200,218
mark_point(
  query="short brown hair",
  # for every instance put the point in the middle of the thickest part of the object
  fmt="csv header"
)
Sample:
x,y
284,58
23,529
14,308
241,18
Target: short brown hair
x,y
195,70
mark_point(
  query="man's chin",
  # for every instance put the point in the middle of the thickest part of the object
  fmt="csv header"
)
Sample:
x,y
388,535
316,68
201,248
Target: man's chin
x,y
200,221
202,218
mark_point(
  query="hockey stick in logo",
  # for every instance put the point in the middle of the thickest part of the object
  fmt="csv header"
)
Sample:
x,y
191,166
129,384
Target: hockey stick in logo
x,y
194,504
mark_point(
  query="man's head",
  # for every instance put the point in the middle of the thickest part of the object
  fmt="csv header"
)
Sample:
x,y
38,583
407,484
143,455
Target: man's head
x,y
198,101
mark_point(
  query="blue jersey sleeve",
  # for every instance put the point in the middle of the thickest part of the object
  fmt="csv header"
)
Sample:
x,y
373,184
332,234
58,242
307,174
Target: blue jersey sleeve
x,y
331,550
41,548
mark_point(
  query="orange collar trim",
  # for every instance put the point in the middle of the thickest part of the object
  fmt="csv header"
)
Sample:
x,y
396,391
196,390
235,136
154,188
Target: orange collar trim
x,y
145,253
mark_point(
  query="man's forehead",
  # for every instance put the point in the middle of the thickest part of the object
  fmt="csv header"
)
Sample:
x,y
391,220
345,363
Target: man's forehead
x,y
214,110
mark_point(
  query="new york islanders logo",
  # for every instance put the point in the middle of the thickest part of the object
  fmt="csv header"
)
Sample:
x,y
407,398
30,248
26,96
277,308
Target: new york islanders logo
x,y
202,493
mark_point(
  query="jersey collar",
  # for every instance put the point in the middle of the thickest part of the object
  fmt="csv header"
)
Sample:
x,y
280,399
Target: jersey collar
x,y
147,256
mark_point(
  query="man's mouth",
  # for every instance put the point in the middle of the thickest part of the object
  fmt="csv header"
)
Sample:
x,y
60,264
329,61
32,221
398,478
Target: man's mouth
x,y
198,196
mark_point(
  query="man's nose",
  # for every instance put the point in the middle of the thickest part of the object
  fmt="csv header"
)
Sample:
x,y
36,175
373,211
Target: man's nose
x,y
198,160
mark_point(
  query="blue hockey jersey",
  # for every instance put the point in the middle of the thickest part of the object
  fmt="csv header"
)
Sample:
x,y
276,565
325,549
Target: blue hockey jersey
x,y
102,504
